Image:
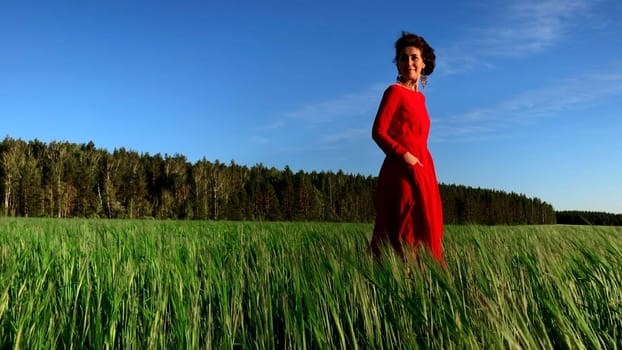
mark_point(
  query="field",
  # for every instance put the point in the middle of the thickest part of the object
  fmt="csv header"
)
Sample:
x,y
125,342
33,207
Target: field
x,y
97,284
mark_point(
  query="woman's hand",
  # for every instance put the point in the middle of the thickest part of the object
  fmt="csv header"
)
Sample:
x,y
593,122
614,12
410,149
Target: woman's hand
x,y
411,160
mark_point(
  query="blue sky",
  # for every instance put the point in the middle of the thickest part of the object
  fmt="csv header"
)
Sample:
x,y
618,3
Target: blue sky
x,y
526,96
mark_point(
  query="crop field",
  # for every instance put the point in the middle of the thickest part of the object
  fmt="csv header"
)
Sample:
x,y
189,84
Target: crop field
x,y
100,284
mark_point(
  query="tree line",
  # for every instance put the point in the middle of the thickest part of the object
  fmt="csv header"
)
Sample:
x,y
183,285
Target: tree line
x,y
575,217
62,179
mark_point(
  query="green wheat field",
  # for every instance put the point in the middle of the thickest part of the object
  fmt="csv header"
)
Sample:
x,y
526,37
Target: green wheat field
x,y
101,284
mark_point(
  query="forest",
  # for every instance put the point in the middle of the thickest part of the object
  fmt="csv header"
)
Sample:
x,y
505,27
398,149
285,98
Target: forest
x,y
576,217
63,179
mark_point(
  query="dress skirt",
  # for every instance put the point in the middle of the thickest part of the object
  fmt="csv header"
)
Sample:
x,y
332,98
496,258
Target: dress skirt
x,y
409,211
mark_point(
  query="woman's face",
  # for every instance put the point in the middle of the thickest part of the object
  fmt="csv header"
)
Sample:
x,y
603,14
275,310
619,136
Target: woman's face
x,y
410,64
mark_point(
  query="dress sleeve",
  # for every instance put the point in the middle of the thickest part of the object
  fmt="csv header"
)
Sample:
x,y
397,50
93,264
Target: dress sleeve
x,y
380,131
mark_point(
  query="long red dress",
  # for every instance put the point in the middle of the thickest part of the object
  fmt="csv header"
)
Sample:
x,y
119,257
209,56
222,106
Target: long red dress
x,y
408,202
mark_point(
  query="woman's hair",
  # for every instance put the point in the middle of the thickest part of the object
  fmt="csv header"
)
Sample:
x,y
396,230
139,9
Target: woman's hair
x,y
427,52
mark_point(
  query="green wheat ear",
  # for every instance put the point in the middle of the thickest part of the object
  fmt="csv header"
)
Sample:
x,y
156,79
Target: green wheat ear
x,y
180,284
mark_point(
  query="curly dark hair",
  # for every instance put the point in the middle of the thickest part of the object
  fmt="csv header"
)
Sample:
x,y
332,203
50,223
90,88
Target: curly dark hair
x,y
427,52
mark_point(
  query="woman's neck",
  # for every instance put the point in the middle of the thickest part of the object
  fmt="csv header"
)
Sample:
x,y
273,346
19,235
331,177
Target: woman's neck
x,y
410,84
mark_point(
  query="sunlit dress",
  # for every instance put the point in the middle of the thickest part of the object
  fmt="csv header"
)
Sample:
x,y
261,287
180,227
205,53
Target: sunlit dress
x,y
407,200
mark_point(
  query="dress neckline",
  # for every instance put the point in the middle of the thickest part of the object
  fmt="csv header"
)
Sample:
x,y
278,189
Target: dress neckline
x,y
405,88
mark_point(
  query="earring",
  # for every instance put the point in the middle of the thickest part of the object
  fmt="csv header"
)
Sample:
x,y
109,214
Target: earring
x,y
424,81
399,78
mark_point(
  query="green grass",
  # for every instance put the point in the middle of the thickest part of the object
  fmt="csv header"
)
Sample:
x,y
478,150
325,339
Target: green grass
x,y
97,284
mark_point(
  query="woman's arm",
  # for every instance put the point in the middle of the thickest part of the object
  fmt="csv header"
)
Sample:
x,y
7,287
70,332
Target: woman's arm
x,y
380,130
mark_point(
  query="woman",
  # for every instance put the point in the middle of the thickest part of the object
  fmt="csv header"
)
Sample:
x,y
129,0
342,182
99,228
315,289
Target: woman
x,y
408,203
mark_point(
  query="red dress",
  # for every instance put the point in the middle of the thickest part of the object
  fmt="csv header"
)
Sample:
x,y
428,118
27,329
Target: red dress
x,y
408,202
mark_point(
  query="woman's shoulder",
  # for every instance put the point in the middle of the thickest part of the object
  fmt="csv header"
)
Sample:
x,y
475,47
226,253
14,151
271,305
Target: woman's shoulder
x,y
395,87
393,90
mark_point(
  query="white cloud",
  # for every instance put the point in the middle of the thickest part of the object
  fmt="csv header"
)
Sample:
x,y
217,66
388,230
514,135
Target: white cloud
x,y
348,135
332,114
351,105
275,125
526,108
260,140
522,28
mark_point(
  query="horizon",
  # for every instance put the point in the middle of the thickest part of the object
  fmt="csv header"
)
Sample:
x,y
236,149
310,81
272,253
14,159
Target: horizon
x,y
525,97
147,154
